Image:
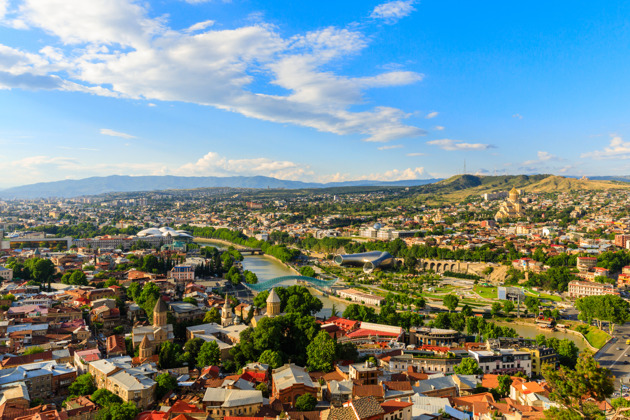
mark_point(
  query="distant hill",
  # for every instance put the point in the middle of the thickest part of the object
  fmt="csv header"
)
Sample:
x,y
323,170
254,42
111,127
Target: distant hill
x,y
558,183
459,187
620,178
123,183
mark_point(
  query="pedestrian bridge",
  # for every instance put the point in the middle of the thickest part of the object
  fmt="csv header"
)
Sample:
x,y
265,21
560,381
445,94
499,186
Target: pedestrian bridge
x,y
269,284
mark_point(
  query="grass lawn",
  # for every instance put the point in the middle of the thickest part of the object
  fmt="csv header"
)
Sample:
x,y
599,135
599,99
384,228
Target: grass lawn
x,y
542,295
596,337
486,292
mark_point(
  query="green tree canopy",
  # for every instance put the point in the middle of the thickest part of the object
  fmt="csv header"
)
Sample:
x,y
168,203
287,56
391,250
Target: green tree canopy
x,y
83,385
212,315
611,308
568,386
451,302
165,384
468,366
271,358
124,411
103,397
305,402
321,352
209,354
307,271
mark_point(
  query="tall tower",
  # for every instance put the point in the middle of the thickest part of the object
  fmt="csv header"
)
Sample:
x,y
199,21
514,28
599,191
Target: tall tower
x,y
273,303
514,194
226,313
159,313
146,349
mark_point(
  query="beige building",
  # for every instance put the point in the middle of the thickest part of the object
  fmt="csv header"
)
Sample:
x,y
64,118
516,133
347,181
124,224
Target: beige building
x,y
130,384
221,402
512,208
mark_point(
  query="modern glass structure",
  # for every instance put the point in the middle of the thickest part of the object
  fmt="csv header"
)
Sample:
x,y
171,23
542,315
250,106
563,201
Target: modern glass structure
x,y
369,260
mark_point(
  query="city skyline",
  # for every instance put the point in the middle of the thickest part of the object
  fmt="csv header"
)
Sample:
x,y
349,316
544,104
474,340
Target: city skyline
x,y
321,92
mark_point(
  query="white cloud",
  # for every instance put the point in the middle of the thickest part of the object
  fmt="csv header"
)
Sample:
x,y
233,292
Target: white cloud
x,y
432,115
393,11
393,146
451,145
200,26
519,116
108,132
542,157
113,48
212,164
416,154
391,175
617,149
438,128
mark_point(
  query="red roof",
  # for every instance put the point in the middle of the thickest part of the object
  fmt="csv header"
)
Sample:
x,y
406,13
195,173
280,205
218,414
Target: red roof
x,y
152,415
391,406
183,407
366,333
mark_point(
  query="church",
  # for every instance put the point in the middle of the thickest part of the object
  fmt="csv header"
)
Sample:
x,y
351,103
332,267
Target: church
x,y
152,336
273,307
512,208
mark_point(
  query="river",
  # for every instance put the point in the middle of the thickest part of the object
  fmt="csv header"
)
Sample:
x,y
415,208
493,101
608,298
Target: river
x,y
267,268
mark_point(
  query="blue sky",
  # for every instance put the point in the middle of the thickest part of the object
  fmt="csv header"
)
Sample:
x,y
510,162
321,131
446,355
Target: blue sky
x,y
317,91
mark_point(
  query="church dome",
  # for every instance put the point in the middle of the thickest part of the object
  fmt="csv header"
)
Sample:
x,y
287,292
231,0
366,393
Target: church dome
x,y
273,297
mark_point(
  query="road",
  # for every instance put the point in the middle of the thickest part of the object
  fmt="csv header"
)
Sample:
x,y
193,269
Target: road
x,y
615,360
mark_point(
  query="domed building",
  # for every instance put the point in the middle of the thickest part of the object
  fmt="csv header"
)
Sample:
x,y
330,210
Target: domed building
x,y
512,208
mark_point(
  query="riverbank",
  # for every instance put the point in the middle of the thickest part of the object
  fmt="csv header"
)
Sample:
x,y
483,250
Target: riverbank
x,y
220,241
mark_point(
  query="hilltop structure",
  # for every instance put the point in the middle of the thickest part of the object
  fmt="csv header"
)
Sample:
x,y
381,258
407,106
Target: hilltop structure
x,y
512,208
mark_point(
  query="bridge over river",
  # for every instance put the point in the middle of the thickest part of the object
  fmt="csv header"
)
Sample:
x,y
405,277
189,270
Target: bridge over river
x,y
269,284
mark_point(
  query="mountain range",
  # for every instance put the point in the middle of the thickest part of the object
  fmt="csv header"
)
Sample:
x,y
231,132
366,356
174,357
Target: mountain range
x,y
122,183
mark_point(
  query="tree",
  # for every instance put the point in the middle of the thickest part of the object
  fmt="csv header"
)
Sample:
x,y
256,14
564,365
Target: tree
x,y
169,355
467,311
124,411
271,358
347,351
104,397
33,350
43,270
133,291
508,307
468,366
495,309
165,384
250,277
568,386
532,303
360,313
190,300
451,301
209,354
505,381
305,402
321,352
193,346
83,385
78,278
212,315
307,271
611,308
262,387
